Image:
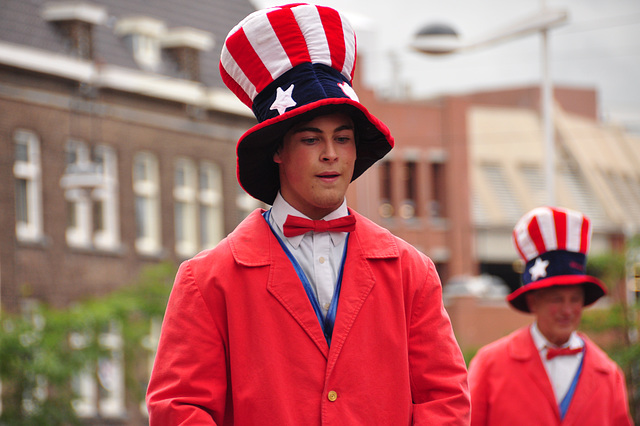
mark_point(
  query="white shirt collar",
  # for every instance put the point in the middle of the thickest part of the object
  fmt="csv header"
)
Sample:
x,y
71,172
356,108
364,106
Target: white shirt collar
x,y
541,342
281,209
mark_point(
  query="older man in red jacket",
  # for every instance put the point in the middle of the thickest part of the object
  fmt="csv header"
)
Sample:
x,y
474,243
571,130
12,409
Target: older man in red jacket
x,y
547,373
308,313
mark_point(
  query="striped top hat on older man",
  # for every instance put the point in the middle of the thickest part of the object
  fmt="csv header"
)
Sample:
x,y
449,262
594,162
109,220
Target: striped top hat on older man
x,y
554,243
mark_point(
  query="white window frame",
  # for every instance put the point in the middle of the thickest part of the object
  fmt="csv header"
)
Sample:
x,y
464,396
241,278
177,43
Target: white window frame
x,y
148,190
210,198
185,191
30,171
87,181
108,238
146,51
79,233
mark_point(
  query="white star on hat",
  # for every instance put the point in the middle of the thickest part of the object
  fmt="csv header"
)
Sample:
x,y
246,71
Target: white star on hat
x,y
283,100
539,269
348,90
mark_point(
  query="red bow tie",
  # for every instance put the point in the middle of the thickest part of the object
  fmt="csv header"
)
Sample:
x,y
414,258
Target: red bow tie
x,y
554,352
295,225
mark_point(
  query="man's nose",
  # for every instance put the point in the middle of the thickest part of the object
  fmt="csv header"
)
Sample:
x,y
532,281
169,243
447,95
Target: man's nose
x,y
329,153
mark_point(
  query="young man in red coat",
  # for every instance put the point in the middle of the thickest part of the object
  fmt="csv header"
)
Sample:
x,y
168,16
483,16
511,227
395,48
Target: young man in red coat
x,y
547,373
291,321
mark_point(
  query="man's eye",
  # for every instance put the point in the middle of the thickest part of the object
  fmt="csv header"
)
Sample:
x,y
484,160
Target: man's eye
x,y
309,141
344,139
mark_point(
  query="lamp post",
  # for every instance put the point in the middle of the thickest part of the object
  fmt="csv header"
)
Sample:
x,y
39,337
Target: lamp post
x,y
440,39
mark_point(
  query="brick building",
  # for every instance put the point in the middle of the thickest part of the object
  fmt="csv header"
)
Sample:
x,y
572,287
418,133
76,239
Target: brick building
x,y
117,151
117,142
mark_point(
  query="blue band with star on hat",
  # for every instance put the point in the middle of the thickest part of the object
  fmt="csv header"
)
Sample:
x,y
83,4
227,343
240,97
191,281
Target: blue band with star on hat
x,y
552,264
302,85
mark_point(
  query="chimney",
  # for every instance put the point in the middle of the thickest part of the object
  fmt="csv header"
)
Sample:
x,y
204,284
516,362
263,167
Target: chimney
x,y
184,45
76,21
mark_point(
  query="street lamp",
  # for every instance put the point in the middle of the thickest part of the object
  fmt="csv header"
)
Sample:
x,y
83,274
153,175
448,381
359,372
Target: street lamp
x,y
441,39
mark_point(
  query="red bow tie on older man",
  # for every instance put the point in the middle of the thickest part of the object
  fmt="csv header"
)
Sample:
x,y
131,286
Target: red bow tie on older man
x,y
554,352
295,225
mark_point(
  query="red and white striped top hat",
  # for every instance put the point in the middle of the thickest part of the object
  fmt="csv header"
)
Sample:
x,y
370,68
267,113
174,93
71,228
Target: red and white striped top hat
x,y
554,243
289,64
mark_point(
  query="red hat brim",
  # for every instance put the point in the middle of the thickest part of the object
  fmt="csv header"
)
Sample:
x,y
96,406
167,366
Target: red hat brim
x,y
593,289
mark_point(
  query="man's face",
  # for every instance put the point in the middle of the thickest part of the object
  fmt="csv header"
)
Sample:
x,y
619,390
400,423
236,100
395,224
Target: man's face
x,y
558,311
316,163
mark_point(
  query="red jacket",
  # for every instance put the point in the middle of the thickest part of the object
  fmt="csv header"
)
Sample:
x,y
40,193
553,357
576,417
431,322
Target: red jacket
x,y
241,344
509,386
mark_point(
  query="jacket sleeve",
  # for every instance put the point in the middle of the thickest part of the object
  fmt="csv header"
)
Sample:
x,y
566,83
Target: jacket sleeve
x,y
438,373
188,383
620,414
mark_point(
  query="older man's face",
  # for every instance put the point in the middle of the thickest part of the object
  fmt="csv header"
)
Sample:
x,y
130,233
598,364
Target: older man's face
x,y
558,311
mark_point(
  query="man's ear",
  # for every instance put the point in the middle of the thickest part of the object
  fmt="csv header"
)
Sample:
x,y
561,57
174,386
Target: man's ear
x,y
276,153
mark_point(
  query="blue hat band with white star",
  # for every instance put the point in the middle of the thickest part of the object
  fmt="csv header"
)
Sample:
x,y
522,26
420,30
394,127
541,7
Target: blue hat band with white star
x,y
302,85
552,264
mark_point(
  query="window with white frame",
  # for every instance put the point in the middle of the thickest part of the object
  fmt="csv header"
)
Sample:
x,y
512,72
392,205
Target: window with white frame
x,y
211,207
106,216
91,191
245,204
146,51
143,34
100,388
79,167
185,190
28,186
146,188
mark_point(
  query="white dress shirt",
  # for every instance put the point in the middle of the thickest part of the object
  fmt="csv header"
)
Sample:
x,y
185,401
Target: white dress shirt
x,y
319,254
561,369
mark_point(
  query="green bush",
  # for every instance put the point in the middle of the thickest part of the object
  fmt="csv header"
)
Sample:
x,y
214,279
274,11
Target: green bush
x,y
38,359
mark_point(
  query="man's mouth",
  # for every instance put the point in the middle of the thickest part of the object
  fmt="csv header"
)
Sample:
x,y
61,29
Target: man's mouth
x,y
328,175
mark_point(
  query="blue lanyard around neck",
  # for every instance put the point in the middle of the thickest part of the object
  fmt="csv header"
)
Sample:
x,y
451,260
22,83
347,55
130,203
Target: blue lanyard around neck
x,y
564,404
327,322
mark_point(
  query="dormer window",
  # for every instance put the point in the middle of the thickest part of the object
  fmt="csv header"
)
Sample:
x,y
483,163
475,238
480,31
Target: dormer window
x,y
76,21
144,36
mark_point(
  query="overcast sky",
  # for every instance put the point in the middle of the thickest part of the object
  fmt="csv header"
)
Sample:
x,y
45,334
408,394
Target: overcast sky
x,y
598,47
